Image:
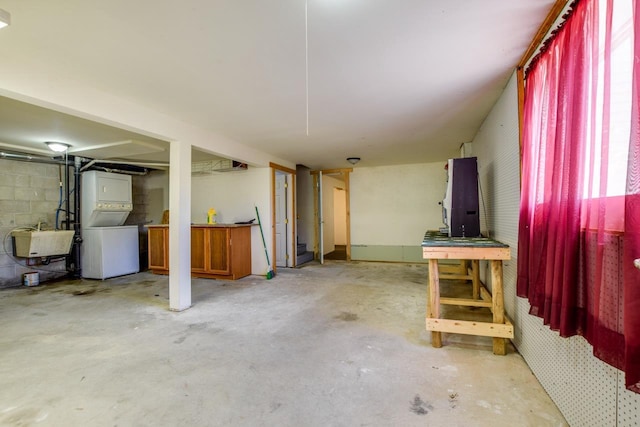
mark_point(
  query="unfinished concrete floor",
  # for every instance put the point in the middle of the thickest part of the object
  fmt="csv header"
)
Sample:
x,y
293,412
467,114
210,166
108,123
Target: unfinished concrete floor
x,y
334,345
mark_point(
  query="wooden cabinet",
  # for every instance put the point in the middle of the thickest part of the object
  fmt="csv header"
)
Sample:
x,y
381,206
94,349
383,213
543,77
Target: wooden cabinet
x,y
217,251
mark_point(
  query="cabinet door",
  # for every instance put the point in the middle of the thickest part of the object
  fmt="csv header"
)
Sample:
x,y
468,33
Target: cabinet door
x,y
219,250
197,249
240,250
158,248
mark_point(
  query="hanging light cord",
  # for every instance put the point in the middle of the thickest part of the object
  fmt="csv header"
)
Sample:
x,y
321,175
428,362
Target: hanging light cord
x,y
306,57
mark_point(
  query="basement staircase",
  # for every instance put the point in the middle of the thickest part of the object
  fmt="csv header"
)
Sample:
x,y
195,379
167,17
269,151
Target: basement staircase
x,y
302,255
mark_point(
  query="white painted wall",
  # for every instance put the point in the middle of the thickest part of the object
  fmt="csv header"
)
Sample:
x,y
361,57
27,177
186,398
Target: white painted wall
x,y
234,196
587,391
395,205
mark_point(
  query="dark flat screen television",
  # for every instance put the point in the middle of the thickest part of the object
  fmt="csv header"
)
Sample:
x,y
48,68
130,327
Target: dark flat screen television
x,y
460,207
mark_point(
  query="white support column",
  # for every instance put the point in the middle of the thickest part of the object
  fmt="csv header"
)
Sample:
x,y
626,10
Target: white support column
x,y
180,226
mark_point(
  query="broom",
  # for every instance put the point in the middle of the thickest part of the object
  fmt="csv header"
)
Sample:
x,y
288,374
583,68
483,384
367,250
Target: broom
x,y
270,272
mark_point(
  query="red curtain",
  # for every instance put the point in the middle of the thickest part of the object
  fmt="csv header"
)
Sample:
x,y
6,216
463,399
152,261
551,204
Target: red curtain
x,y
579,229
631,273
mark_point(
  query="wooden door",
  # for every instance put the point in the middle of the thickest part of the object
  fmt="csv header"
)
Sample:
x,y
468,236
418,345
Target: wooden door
x,y
218,251
158,248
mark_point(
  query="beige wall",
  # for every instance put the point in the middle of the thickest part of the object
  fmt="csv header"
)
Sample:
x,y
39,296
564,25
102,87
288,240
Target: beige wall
x,y
395,205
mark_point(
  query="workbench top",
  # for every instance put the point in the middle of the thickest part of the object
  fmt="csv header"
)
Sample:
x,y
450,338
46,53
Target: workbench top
x,y
438,239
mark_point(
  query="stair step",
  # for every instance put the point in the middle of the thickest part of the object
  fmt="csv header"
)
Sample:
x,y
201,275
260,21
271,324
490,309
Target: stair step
x,y
304,257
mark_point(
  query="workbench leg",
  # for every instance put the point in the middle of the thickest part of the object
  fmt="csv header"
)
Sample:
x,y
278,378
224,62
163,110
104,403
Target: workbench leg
x,y
433,302
475,278
499,344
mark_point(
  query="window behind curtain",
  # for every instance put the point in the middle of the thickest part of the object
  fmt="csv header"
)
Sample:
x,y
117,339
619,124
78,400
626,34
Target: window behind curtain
x,y
572,261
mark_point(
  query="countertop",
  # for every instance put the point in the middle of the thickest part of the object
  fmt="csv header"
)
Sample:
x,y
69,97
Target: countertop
x,y
207,225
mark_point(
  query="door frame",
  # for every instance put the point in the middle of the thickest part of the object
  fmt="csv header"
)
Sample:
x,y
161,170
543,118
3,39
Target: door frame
x,y
317,205
281,215
291,203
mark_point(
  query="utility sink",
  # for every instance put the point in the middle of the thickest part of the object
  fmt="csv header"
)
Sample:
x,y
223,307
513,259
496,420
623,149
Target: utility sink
x,y
31,243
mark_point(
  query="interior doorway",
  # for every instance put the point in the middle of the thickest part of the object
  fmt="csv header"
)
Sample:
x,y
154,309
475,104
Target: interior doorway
x,y
338,238
332,215
281,219
283,216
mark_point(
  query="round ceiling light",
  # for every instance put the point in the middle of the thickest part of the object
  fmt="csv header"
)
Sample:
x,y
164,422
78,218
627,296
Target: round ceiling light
x,y
58,147
353,160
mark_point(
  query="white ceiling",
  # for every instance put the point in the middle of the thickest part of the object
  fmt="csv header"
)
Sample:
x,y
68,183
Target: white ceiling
x,y
393,82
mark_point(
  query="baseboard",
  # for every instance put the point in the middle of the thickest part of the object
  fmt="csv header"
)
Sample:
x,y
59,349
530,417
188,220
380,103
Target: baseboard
x,y
386,253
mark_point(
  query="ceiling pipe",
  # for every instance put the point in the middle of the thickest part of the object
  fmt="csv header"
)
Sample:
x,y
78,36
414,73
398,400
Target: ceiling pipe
x,y
140,173
120,162
30,158
22,157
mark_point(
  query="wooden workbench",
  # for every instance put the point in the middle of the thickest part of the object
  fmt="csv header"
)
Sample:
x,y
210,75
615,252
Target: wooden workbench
x,y
437,246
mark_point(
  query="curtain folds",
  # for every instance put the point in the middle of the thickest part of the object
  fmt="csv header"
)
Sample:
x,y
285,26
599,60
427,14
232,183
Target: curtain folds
x,y
631,274
579,229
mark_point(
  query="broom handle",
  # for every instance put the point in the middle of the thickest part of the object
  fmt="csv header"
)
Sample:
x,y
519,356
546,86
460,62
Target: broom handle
x,y
264,244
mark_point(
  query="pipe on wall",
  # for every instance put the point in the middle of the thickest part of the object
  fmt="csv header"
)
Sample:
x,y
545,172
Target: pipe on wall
x,y
77,237
73,259
72,220
30,158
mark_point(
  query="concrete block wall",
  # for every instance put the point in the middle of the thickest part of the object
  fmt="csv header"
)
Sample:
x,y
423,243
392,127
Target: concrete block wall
x,y
29,194
139,215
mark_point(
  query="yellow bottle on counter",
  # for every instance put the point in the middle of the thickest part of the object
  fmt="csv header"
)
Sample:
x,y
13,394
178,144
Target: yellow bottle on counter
x,y
211,216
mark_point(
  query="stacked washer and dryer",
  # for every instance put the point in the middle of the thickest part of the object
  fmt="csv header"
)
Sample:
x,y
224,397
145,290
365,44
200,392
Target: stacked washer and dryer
x,y
109,248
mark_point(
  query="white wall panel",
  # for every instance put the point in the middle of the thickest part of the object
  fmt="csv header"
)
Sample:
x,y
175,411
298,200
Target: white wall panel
x,y
628,405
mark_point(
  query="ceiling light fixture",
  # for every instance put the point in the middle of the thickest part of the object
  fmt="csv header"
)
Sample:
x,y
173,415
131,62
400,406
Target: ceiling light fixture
x,y
58,147
5,18
353,160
